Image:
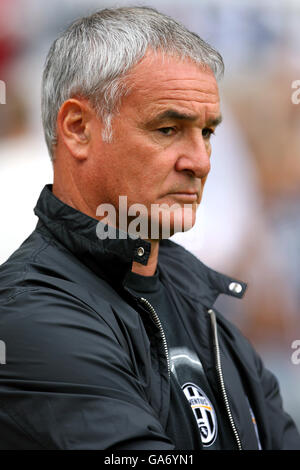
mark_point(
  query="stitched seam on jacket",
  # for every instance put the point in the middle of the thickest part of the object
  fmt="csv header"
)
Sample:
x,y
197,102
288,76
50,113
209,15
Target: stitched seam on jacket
x,y
26,270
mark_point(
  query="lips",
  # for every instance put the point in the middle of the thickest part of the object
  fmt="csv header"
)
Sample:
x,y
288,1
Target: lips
x,y
185,195
185,192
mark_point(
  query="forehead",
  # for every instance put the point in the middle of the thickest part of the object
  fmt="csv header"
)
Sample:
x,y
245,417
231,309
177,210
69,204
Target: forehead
x,y
158,81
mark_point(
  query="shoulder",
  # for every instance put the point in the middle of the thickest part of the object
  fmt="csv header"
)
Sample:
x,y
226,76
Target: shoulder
x,y
51,336
47,321
41,269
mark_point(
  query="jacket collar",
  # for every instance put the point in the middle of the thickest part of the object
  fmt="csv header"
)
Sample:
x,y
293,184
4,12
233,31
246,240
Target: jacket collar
x,y
193,278
112,258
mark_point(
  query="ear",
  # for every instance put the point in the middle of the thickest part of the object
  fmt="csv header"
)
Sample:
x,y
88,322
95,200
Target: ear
x,y
74,126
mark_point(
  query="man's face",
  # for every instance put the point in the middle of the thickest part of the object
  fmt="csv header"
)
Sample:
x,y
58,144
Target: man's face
x,y
160,153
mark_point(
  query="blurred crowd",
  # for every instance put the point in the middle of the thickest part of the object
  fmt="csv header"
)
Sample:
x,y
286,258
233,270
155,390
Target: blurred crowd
x,y
248,224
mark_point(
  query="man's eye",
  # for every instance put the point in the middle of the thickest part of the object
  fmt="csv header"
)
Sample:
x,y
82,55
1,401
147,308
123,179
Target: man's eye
x,y
207,132
168,131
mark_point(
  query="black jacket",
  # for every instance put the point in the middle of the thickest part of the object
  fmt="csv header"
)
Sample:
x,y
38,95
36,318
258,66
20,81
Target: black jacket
x,y
85,364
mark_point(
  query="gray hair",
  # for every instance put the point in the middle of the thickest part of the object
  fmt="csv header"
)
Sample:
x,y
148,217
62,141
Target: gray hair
x,y
94,55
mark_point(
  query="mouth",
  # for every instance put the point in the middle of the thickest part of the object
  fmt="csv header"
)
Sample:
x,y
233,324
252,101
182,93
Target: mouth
x,y
187,196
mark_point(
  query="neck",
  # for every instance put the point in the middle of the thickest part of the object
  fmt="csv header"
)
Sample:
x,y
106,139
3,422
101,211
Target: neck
x,y
150,268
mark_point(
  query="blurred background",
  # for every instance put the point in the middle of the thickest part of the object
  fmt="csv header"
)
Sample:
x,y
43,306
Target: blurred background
x,y
248,224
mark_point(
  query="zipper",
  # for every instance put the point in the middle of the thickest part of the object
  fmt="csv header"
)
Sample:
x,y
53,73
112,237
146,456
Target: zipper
x,y
221,379
157,321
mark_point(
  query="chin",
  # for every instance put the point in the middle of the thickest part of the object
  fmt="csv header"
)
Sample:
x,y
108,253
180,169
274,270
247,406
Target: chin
x,y
179,221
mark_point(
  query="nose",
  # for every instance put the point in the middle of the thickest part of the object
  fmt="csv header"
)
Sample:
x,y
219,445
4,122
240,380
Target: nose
x,y
194,157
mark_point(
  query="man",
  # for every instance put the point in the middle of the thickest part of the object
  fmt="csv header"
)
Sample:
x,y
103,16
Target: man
x,y
112,341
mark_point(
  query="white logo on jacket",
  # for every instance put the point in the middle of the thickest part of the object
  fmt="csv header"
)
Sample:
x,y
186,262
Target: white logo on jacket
x,y
204,413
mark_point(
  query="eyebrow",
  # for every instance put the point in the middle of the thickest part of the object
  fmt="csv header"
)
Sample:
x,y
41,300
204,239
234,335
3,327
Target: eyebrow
x,y
173,114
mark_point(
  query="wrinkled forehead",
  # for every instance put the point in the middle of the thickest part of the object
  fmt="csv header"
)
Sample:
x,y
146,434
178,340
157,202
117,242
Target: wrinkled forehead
x,y
158,81
158,70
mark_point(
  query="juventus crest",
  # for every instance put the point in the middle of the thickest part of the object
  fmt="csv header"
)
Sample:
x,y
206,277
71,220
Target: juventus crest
x,y
203,411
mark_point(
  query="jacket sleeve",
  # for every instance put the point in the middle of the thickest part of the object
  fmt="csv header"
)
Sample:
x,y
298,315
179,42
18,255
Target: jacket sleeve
x,y
67,383
284,433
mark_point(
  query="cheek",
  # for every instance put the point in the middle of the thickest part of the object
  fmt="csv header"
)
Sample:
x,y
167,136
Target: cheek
x,y
143,164
138,167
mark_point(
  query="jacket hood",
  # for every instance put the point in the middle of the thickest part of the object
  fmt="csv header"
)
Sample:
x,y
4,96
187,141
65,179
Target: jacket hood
x,y
112,258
